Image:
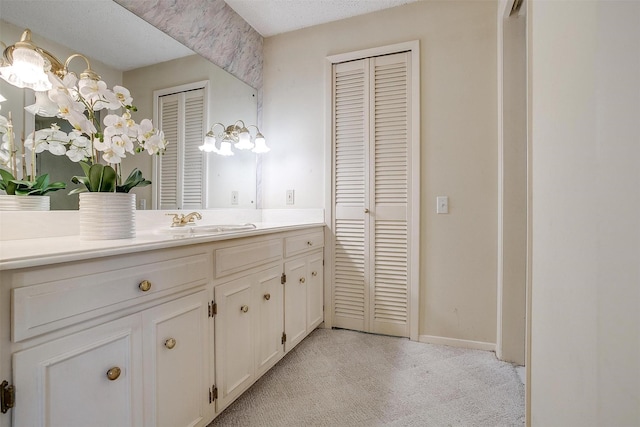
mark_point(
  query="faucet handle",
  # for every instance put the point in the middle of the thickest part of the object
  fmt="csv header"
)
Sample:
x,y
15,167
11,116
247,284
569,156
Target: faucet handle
x,y
177,219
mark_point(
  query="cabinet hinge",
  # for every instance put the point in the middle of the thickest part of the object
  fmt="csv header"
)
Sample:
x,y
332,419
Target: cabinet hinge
x,y
213,393
284,338
7,396
283,278
213,309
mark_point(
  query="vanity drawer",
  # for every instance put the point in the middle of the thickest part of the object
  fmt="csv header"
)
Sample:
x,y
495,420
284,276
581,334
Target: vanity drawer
x,y
295,245
52,297
242,257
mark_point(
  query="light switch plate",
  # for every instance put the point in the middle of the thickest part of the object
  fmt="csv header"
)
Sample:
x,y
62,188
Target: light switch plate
x,y
442,206
234,197
290,197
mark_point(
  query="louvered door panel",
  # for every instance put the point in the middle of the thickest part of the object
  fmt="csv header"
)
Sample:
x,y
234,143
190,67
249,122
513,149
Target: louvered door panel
x,y
181,171
168,163
371,152
349,292
193,181
389,175
350,141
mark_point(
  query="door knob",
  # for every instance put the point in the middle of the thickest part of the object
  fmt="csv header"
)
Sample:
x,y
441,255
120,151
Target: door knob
x,y
302,280
314,273
114,373
366,210
267,296
244,308
170,343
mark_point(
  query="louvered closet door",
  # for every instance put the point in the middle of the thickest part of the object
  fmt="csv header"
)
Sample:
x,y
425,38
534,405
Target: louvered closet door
x,y
181,172
371,143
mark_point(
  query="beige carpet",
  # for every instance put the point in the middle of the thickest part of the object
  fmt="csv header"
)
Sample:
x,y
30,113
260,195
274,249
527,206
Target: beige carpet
x,y
346,378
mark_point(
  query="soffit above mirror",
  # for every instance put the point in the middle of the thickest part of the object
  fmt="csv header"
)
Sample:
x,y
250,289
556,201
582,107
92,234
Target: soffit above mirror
x,y
132,42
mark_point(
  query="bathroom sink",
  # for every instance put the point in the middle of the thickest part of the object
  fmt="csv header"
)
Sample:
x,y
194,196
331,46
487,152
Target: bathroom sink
x,y
192,230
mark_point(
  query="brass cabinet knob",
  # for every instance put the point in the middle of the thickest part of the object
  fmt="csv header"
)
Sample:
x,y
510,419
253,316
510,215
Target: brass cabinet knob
x,y
302,280
267,296
145,285
244,308
314,273
114,373
170,343
366,210
310,243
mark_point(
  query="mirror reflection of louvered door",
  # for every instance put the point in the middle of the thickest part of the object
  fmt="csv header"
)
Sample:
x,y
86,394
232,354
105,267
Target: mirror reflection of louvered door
x,y
181,169
371,152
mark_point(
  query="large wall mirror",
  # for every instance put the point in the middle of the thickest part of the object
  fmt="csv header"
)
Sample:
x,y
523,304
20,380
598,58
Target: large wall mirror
x,y
126,50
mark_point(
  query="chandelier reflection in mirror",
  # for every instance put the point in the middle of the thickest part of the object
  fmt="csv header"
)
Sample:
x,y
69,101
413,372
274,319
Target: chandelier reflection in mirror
x,y
237,135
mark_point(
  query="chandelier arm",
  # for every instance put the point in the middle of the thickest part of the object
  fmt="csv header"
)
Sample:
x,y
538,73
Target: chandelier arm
x,y
86,74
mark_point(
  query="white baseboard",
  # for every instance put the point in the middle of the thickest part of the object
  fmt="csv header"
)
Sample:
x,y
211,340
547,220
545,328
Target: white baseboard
x,y
453,342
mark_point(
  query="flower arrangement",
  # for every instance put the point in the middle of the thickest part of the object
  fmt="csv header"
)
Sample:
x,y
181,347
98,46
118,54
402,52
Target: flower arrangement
x,y
99,146
10,182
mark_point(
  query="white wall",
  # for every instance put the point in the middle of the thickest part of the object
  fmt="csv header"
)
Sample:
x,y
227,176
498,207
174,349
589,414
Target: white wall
x,y
459,144
512,184
585,141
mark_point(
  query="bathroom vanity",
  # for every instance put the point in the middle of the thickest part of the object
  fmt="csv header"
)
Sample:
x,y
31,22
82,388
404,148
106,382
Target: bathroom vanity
x,y
160,330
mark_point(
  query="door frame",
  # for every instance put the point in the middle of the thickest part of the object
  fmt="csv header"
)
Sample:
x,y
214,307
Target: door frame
x,y
413,220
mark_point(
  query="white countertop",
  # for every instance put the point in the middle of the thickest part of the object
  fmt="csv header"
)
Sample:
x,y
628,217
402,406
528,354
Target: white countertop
x,y
50,250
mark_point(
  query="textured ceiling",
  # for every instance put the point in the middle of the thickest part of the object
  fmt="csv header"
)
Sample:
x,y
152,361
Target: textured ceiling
x,y
271,17
103,29
98,28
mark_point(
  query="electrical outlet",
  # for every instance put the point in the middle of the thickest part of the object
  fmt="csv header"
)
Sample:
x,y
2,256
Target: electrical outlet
x,y
234,197
290,197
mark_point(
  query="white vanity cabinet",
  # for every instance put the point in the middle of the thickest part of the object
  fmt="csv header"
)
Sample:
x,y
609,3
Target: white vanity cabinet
x,y
160,337
249,313
90,378
176,363
304,290
117,341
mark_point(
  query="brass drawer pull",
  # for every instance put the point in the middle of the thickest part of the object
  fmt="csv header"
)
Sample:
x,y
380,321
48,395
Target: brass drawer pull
x,y
267,296
302,280
170,343
244,308
310,243
145,285
314,273
114,373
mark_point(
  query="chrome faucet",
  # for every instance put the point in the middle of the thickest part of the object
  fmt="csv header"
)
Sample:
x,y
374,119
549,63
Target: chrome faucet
x,y
180,220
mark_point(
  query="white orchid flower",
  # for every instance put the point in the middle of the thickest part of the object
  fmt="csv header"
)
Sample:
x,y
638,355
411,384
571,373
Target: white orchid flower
x,y
4,124
51,139
79,147
123,95
151,139
116,148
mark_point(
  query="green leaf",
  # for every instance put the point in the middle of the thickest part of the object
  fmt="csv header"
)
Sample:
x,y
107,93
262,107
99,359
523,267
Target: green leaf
x,y
6,182
85,167
80,180
109,178
135,179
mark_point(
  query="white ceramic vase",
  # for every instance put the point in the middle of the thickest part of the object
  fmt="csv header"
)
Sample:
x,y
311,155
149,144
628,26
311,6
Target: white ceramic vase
x,y
24,203
106,216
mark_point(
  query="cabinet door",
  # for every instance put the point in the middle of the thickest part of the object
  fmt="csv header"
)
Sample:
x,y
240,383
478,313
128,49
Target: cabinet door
x,y
90,378
315,291
295,302
176,362
269,318
234,340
